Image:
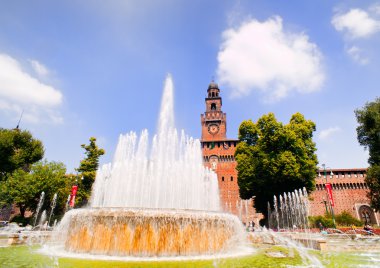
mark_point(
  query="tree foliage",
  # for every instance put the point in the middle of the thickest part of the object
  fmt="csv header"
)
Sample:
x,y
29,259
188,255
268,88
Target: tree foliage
x,y
87,170
24,188
273,158
18,149
368,133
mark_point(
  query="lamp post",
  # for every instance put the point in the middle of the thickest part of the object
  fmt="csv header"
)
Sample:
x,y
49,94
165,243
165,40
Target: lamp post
x,y
327,192
325,202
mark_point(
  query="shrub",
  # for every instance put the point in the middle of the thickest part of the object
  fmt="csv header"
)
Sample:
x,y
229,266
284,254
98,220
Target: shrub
x,y
342,219
21,220
346,219
326,221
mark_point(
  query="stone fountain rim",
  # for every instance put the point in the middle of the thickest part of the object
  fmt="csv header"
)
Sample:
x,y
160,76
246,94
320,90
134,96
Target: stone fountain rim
x,y
153,212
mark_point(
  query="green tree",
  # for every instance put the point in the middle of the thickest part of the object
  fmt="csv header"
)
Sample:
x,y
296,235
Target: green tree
x,y
24,188
273,158
18,149
368,133
87,170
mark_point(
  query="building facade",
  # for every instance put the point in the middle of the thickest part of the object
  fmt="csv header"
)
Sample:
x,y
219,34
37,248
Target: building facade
x,y
349,193
218,155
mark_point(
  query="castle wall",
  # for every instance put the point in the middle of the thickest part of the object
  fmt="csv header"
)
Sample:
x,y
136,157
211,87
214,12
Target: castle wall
x,y
349,192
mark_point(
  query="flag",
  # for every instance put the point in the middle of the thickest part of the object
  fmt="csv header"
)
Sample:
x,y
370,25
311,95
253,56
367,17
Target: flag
x,y
329,191
74,190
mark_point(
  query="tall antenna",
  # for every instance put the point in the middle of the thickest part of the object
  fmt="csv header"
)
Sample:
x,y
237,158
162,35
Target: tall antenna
x,y
18,124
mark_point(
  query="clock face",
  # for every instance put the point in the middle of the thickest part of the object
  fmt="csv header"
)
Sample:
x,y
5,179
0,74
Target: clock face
x,y
213,128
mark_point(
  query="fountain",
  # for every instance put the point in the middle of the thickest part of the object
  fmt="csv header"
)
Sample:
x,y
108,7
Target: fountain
x,y
52,206
42,219
290,218
39,205
291,211
160,201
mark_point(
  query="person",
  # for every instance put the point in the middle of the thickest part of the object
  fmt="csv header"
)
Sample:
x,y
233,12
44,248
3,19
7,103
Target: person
x,y
368,229
320,225
324,232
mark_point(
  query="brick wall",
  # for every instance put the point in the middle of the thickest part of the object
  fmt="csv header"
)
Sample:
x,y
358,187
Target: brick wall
x,y
349,192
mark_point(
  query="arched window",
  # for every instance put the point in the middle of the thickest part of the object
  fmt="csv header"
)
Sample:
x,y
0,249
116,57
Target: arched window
x,y
213,106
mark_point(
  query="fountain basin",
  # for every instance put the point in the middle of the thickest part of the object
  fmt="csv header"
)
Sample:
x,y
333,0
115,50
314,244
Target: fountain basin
x,y
149,232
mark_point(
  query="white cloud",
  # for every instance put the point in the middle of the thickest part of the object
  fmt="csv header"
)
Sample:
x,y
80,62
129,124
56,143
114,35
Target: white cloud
x,y
39,68
375,8
260,55
327,133
356,54
20,91
357,23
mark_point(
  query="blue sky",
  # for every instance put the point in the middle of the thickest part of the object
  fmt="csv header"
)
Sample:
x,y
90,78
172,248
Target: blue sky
x,y
96,68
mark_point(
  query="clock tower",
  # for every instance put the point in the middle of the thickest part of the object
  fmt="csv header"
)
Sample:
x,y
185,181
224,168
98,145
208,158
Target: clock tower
x,y
213,121
218,155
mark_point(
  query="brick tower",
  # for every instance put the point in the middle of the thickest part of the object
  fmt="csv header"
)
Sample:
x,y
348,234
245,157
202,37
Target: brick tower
x,y
218,155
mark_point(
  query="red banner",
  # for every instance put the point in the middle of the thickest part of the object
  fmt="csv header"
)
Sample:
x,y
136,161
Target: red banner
x,y
329,191
74,190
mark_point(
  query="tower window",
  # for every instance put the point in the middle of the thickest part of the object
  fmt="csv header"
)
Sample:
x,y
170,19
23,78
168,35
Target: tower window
x,y
213,106
232,178
222,178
